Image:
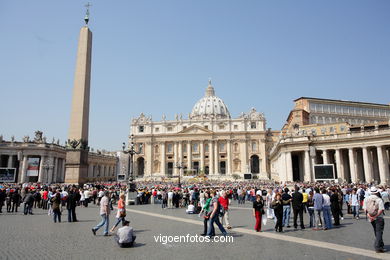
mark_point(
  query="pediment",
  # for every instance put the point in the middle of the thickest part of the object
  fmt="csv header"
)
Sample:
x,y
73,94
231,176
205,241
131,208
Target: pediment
x,y
195,129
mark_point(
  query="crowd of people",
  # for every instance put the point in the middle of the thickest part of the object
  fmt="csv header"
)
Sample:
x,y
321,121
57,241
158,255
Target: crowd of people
x,y
322,202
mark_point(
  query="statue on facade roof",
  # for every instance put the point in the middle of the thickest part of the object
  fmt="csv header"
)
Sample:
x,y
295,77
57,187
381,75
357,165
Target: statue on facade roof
x,y
38,136
26,139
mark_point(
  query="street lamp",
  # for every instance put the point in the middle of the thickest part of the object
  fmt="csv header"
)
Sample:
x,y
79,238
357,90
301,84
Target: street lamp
x,y
131,151
179,166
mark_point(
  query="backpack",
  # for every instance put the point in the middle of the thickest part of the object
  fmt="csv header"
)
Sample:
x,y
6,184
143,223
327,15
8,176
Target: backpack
x,y
372,207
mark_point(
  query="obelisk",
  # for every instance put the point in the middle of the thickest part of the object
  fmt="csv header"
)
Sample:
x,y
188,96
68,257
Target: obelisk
x,y
76,167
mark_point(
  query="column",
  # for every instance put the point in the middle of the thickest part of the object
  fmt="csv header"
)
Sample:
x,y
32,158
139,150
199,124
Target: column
x,y
339,164
149,161
55,175
244,157
307,175
175,148
63,170
201,148
352,164
10,161
367,163
229,158
50,171
211,158
383,165
189,155
289,166
41,173
216,158
23,173
180,152
163,157
325,156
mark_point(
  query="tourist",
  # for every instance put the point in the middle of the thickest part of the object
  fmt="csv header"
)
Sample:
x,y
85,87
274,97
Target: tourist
x,y
206,213
82,198
286,198
104,213
326,210
8,200
355,203
121,213
268,200
124,236
71,206
164,196
374,208
170,199
28,202
16,198
224,202
335,206
297,205
100,196
310,208
86,196
191,208
318,203
386,198
277,206
56,206
214,216
37,199
3,196
258,211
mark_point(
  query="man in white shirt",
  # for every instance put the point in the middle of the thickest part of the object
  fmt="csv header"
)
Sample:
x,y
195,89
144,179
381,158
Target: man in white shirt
x,y
190,209
170,199
104,213
100,196
375,203
124,236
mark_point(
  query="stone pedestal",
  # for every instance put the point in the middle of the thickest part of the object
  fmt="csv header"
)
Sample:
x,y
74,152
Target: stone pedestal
x,y
76,166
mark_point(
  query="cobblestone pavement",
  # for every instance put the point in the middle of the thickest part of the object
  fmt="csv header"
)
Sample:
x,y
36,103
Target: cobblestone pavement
x,y
37,237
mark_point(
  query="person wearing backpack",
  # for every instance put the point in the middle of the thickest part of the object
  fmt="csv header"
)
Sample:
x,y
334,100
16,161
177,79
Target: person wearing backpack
x,y
214,216
374,207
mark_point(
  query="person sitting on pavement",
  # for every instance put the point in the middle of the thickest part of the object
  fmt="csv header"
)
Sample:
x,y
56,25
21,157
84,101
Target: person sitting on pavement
x,y
124,236
191,209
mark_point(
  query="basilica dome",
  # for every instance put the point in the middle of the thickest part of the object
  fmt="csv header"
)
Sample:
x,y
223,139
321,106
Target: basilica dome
x,y
210,106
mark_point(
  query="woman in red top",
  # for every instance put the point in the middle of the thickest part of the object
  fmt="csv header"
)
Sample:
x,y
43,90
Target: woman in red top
x,y
121,213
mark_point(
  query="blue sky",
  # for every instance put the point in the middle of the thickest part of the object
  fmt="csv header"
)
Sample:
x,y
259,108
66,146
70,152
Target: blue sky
x,y
156,57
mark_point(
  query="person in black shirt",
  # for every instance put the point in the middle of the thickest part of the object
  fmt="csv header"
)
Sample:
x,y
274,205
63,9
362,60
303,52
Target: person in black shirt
x,y
297,205
277,206
258,211
286,198
335,207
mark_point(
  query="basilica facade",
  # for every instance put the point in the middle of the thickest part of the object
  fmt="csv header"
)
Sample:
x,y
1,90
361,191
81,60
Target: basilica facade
x,y
208,142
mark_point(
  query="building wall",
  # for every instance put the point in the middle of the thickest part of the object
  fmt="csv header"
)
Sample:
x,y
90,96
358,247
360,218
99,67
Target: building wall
x,y
202,145
356,155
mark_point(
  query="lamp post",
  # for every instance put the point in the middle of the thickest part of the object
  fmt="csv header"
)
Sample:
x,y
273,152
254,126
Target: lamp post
x,y
131,151
179,166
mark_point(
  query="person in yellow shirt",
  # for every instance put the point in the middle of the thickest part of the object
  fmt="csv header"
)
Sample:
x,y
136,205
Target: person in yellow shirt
x,y
304,202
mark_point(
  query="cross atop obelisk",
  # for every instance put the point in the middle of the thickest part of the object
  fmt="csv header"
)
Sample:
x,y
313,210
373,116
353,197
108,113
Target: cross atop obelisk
x,y
86,18
77,144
